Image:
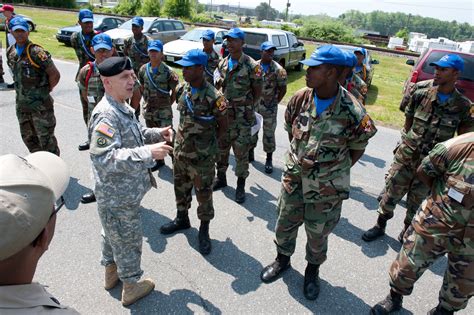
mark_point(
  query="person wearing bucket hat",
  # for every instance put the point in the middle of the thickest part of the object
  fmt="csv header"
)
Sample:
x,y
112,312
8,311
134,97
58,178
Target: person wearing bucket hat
x,y
433,114
203,119
273,91
136,46
81,41
158,87
122,152
31,191
328,131
240,78
213,58
35,76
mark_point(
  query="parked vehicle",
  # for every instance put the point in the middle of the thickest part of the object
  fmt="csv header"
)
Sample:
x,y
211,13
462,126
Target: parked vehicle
x,y
102,23
368,62
163,29
176,49
423,71
31,24
289,50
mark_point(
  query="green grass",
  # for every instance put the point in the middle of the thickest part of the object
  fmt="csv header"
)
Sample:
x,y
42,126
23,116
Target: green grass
x,y
383,98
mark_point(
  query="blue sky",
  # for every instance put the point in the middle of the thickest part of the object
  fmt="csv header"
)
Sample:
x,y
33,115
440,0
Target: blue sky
x,y
459,10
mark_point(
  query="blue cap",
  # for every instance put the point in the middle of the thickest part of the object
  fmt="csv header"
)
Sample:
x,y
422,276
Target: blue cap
x,y
155,45
327,54
138,21
360,50
450,61
102,40
208,35
267,45
19,23
193,57
235,33
351,59
86,15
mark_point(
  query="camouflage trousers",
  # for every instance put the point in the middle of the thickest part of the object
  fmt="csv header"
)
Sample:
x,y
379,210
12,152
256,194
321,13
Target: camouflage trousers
x,y
238,137
424,242
158,117
37,127
187,174
85,109
401,180
269,115
122,238
319,220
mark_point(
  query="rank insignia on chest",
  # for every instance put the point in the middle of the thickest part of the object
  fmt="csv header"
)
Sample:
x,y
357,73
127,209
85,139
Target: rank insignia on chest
x,y
106,130
221,103
258,71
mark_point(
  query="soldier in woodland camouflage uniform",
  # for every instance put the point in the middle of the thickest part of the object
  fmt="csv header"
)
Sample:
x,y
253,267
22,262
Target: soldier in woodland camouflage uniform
x,y
136,46
158,89
273,91
121,160
328,130
82,44
240,78
35,76
360,68
433,115
444,225
202,120
213,59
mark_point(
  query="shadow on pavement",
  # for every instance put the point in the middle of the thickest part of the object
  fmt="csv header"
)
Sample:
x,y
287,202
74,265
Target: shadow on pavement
x,y
367,199
166,172
259,166
152,221
379,163
73,193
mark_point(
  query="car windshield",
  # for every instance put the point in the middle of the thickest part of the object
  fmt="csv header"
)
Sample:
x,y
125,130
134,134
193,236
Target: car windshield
x,y
128,25
193,36
467,74
97,21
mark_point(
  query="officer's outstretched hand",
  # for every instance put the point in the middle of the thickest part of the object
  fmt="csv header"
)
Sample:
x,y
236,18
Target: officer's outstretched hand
x,y
167,133
160,150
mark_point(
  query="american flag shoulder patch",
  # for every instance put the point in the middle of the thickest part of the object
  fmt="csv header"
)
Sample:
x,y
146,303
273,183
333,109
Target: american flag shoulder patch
x,y
106,130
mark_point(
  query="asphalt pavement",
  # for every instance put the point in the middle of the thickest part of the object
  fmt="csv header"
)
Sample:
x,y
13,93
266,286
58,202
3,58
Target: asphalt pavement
x,y
354,277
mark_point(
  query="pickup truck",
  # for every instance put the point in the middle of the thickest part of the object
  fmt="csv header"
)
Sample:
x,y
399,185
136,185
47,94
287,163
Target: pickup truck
x,y
289,50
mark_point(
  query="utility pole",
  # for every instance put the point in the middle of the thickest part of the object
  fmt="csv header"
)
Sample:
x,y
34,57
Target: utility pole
x,y
288,4
269,8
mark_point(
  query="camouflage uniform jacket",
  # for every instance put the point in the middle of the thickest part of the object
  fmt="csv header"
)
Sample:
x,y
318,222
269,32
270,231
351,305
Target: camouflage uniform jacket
x,y
137,51
82,47
213,60
451,164
432,123
272,79
319,155
120,159
410,89
165,79
237,83
29,75
196,138
93,85
358,87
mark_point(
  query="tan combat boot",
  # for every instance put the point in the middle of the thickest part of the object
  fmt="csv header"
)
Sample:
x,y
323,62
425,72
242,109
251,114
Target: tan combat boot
x,y
132,292
111,276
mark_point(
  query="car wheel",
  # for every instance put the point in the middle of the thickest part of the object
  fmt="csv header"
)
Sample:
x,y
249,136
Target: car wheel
x,y
31,26
299,66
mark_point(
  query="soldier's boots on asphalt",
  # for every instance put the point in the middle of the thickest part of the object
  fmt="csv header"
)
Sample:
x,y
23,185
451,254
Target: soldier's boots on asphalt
x,y
158,164
268,164
111,276
88,197
392,303
439,310
273,271
132,292
377,231
204,239
311,282
251,155
181,222
83,146
240,190
219,182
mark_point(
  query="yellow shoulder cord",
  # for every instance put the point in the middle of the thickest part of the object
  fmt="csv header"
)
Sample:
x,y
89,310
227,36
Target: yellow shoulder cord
x,y
29,56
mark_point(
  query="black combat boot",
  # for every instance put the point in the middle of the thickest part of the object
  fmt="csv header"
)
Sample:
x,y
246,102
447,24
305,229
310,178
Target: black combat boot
x,y
377,231
219,182
251,155
180,223
311,282
268,164
240,190
273,271
83,146
439,310
204,239
392,303
88,198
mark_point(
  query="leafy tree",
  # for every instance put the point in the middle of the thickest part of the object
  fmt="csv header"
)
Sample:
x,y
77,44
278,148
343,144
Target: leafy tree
x,y
150,8
178,8
50,3
403,33
330,30
265,12
128,7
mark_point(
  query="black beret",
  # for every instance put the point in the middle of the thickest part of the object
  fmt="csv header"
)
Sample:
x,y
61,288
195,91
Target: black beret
x,y
114,65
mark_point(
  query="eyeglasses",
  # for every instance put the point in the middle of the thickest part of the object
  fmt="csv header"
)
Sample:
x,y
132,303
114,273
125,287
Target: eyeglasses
x,y
58,206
